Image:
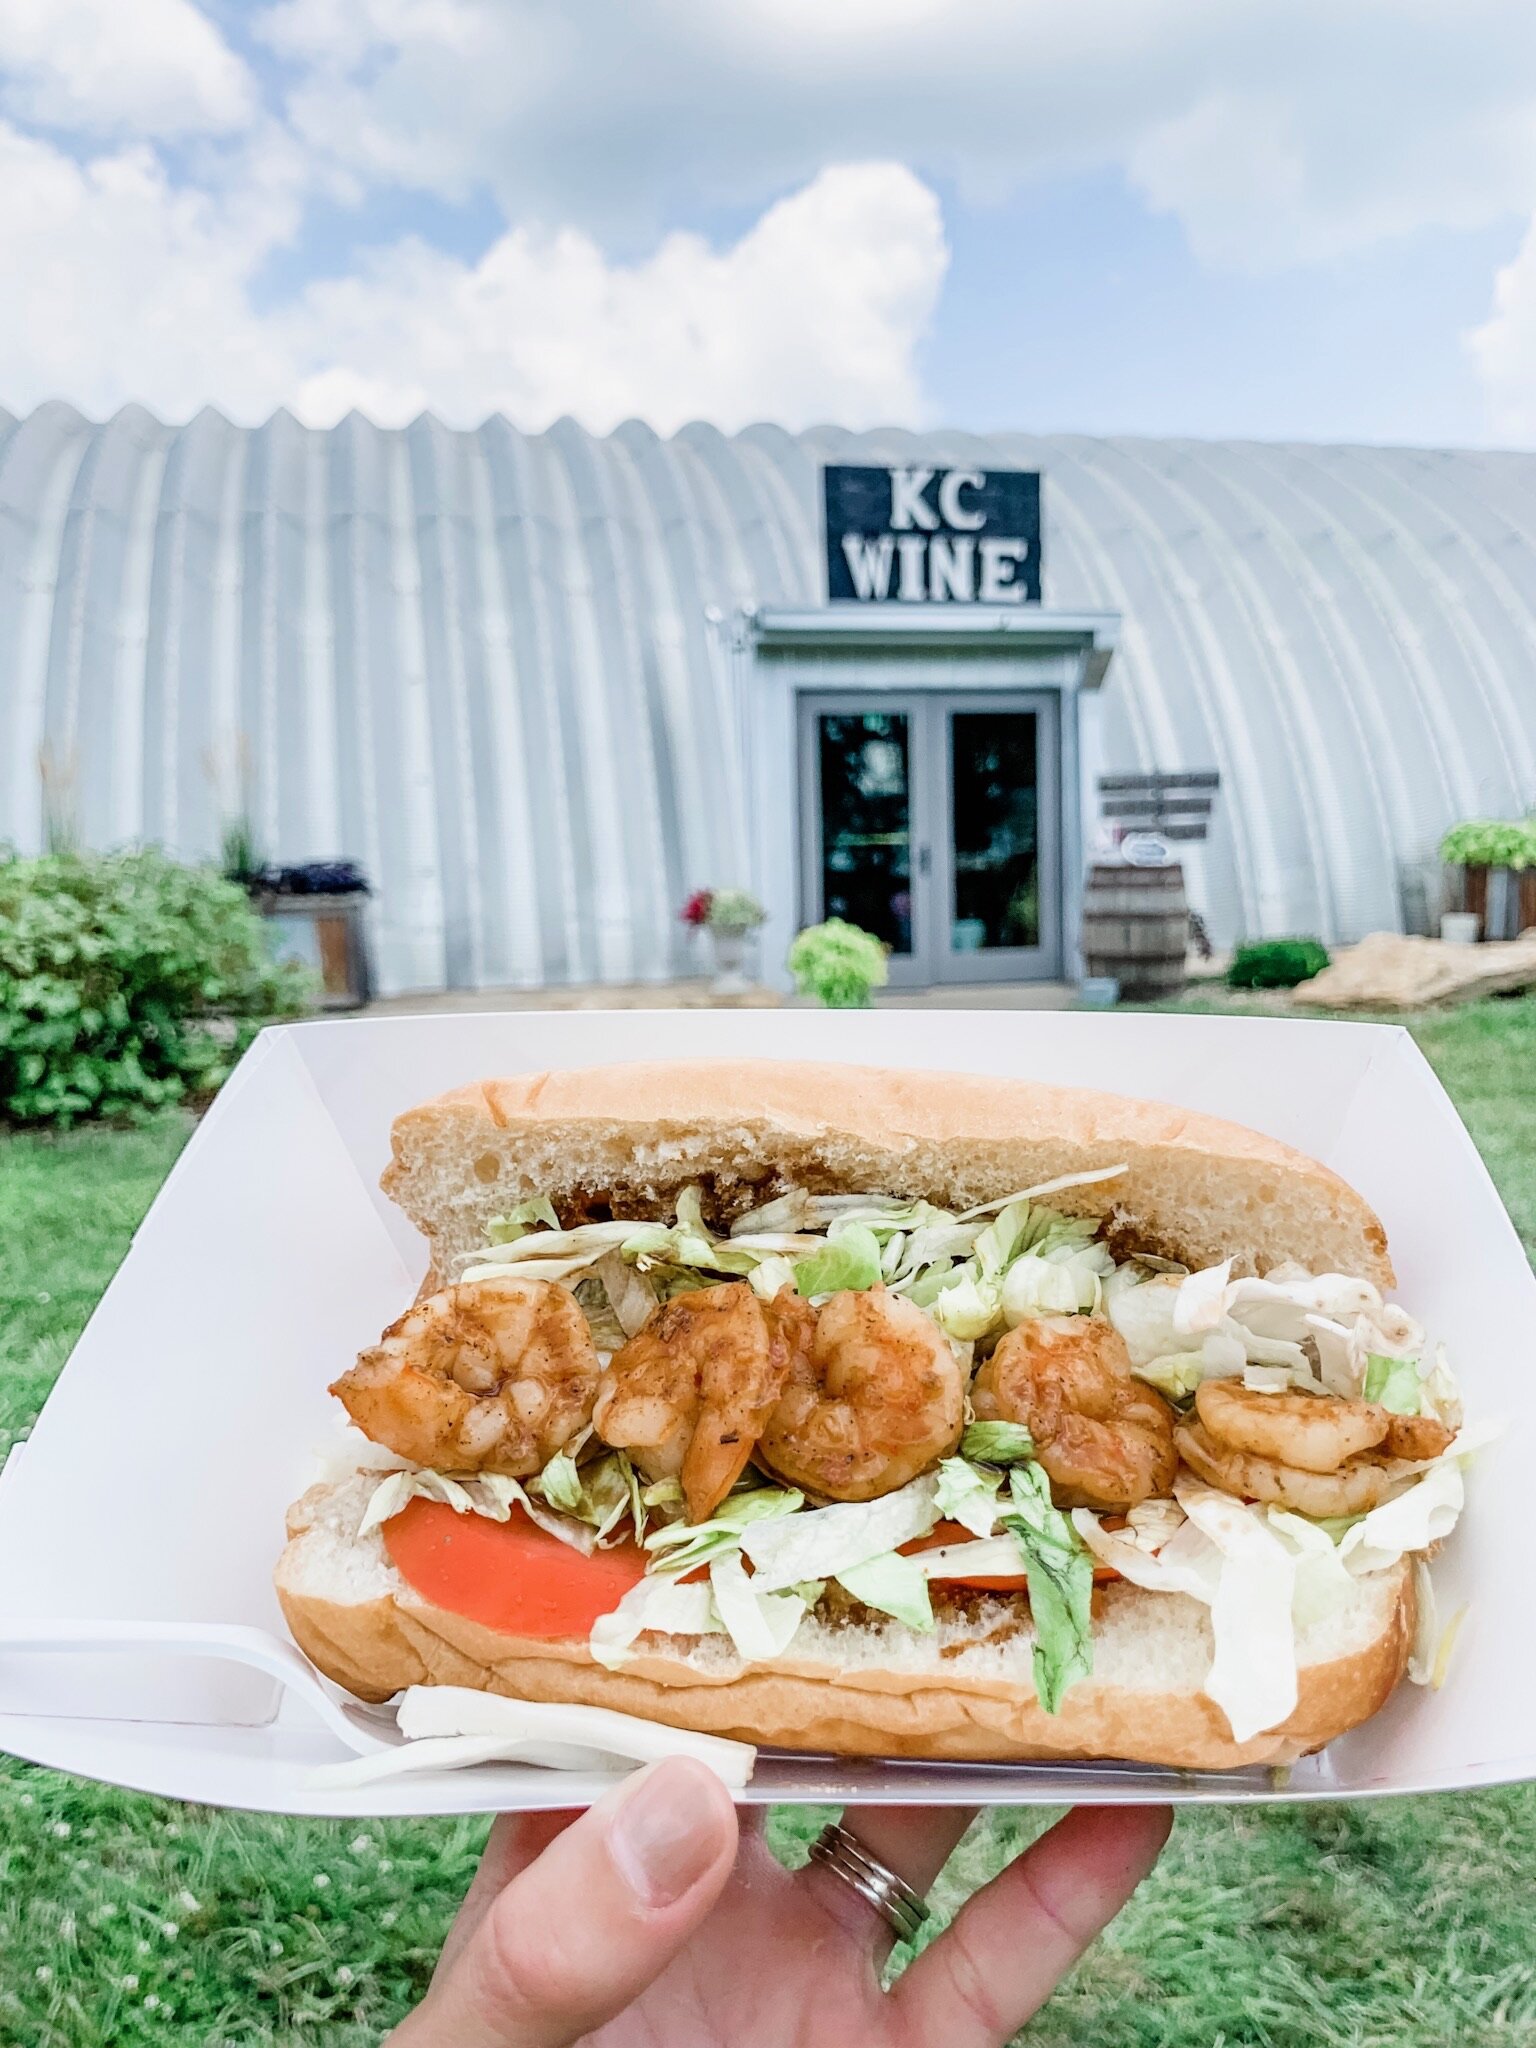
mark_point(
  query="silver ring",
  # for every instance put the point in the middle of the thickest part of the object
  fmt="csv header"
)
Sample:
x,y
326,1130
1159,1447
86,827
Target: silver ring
x,y
891,1896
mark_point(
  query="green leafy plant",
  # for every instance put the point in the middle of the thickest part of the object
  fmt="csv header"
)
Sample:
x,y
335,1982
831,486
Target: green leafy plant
x,y
1490,843
838,964
1276,963
127,981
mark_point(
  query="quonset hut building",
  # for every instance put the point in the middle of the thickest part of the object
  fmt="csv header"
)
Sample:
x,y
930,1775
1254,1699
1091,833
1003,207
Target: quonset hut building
x,y
541,686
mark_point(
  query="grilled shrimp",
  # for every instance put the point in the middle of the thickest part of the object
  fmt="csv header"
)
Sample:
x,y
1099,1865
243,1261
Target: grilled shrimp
x,y
1417,1437
1314,1453
688,1395
875,1394
1104,1438
1313,1432
489,1376
1362,1483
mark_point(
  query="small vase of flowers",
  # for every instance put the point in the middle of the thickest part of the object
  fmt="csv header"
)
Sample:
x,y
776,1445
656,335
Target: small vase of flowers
x,y
730,916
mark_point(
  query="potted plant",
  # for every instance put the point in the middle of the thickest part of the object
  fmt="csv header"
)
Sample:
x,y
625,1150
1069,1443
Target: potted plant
x,y
838,963
730,916
1497,859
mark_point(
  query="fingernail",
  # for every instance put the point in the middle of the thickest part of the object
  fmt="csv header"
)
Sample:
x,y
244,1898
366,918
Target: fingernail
x,y
664,1835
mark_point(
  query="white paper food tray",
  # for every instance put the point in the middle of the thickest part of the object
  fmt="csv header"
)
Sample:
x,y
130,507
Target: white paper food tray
x,y
154,1484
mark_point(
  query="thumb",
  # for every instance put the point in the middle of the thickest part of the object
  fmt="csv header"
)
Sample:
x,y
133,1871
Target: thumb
x,y
587,1926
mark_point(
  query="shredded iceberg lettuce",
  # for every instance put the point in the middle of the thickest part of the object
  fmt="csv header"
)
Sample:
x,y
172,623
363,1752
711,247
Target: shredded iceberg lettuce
x,y
1059,1571
968,1496
1321,1577
990,1557
761,1625
1177,1376
849,1259
560,1484
894,1585
822,1543
606,1491
1065,1281
681,1547
1253,1675
1425,1514
1029,1260
659,1604
997,1443
486,1493
978,1272
520,1220
1394,1382
771,1276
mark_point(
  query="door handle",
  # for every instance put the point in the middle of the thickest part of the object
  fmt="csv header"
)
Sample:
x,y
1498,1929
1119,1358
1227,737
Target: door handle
x,y
924,860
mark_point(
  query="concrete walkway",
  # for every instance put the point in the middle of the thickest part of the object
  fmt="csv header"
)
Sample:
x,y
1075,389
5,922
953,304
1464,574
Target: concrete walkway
x,y
694,995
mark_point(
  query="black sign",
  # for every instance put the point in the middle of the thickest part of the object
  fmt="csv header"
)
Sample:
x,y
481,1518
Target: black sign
x,y
914,535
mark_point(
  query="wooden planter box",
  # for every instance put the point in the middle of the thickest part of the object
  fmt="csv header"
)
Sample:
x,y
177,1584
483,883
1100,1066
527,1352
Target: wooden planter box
x,y
327,935
1502,899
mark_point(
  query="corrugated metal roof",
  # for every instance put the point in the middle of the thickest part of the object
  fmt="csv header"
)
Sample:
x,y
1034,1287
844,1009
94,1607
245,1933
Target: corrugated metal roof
x,y
489,664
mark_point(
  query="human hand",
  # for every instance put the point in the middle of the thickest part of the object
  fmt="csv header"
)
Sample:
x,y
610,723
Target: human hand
x,y
653,1921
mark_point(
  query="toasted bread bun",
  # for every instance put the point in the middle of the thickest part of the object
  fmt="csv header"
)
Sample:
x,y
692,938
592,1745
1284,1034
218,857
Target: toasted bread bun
x,y
966,1691
629,1137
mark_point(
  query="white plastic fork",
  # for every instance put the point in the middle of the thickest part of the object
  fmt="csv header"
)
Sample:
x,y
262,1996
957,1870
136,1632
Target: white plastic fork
x,y
364,1730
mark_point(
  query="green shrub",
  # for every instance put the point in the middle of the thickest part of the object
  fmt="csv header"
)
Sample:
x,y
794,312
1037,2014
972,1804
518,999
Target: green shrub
x,y
1276,963
127,982
1490,843
838,964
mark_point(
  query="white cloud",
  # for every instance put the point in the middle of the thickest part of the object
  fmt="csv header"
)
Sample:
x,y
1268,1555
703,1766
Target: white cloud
x,y
815,313
1276,131
1504,347
126,287
122,286
144,67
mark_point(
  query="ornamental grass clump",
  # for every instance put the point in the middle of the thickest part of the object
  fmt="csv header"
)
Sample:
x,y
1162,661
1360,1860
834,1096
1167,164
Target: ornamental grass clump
x,y
127,982
838,963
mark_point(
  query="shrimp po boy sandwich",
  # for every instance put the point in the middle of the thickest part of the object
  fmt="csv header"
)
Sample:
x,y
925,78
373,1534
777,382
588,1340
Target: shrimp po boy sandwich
x,y
904,1414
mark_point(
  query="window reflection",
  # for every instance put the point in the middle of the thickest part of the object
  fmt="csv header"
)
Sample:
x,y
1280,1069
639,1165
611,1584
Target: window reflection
x,y
995,797
866,823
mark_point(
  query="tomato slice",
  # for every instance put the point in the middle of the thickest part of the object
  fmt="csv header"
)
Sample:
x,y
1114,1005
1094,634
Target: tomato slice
x,y
512,1576
955,1532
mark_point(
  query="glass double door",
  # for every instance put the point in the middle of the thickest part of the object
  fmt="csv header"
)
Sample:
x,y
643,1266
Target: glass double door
x,y
932,822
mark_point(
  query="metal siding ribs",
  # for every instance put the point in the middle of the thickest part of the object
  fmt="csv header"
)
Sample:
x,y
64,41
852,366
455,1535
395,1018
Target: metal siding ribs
x,y
497,667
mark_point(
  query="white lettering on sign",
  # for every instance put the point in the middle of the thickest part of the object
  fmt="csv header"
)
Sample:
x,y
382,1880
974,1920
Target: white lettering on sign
x,y
916,534
869,564
951,511
999,561
952,569
913,550
909,507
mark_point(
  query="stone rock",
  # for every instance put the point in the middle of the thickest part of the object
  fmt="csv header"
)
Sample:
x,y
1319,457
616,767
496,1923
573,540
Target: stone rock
x,y
1395,971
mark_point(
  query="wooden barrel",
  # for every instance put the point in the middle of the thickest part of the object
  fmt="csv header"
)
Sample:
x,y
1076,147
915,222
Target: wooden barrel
x,y
1136,928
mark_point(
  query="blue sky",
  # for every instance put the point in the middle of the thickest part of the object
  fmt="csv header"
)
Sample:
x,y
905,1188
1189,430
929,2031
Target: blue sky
x,y
1074,308
1309,221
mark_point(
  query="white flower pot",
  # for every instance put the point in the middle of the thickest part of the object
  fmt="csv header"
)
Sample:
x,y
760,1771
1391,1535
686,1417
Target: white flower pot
x,y
729,943
1459,927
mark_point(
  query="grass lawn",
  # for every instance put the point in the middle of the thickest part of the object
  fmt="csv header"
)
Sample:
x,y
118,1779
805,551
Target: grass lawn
x,y
126,1920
